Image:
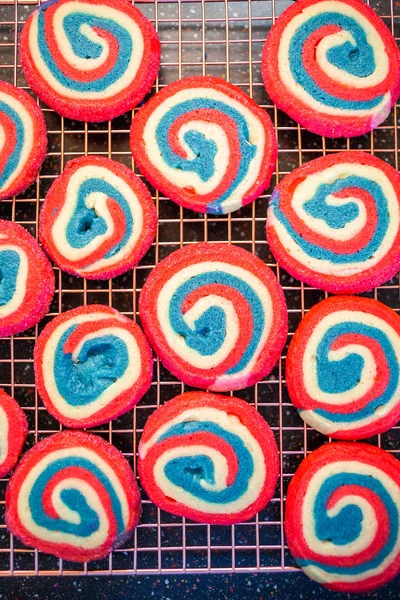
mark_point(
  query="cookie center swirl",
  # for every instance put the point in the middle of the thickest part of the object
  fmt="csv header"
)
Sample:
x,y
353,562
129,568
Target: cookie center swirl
x,y
344,363
346,48
341,371
88,37
333,59
342,523
351,511
186,144
97,201
76,513
94,364
340,205
200,474
204,320
85,50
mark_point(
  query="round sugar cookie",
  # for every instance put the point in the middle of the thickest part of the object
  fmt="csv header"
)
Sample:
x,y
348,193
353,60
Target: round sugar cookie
x,y
342,367
333,66
26,280
92,364
205,144
334,223
89,60
73,495
98,219
215,315
342,516
23,140
209,458
13,432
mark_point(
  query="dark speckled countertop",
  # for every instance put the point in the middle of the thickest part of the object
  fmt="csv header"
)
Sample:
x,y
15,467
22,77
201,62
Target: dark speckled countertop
x,y
258,586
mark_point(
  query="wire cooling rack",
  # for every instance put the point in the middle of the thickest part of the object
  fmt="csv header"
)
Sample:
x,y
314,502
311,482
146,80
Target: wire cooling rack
x,y
198,37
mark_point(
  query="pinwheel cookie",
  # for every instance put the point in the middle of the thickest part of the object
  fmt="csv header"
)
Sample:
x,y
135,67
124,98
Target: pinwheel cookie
x,y
26,280
91,364
73,495
334,223
23,140
205,144
342,516
13,431
342,367
216,316
98,219
89,60
333,66
209,458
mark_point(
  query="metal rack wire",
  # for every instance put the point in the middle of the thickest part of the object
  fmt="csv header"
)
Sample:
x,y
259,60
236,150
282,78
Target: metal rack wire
x,y
213,37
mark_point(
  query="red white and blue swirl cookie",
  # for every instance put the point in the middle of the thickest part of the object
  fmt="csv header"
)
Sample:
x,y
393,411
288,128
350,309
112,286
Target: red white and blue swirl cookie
x,y
23,140
342,516
73,495
205,145
13,431
209,458
89,60
333,66
26,280
335,222
215,315
98,219
92,364
342,367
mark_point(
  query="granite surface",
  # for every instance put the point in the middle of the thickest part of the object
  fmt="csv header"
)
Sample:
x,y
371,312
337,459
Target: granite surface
x,y
294,586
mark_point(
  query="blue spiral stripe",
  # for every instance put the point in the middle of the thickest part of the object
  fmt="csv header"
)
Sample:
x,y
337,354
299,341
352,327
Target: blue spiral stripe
x,y
341,376
337,216
210,329
345,527
85,48
85,224
205,150
102,361
188,471
9,267
15,155
357,60
73,499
